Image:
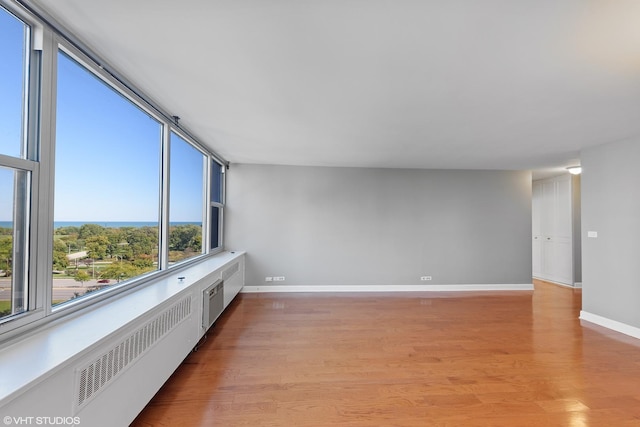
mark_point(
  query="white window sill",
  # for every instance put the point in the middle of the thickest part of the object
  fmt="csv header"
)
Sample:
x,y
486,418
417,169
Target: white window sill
x,y
31,360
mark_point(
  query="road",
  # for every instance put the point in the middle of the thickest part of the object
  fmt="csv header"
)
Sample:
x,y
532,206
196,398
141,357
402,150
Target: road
x,y
63,289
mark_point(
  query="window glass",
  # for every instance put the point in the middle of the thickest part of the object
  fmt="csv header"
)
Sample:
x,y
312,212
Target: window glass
x,y
12,82
217,196
13,237
216,182
215,227
107,181
14,181
185,200
6,241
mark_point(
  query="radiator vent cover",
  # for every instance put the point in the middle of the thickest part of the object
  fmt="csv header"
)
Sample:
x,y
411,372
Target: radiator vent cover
x,y
230,271
212,303
97,375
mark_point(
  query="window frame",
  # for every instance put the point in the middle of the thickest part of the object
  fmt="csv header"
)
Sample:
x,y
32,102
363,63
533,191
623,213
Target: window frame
x,y
215,204
23,213
63,45
167,220
46,39
28,161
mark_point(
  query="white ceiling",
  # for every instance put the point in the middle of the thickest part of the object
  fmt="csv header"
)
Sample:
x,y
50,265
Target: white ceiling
x,y
464,84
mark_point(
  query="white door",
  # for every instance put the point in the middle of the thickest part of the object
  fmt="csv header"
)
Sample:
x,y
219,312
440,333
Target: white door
x,y
563,238
552,244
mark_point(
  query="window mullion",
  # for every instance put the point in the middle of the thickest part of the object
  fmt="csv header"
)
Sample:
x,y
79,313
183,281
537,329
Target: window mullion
x,y
42,135
206,207
163,255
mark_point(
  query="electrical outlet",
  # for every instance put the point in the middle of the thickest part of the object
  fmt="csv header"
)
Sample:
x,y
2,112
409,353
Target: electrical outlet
x,y
268,279
425,278
278,279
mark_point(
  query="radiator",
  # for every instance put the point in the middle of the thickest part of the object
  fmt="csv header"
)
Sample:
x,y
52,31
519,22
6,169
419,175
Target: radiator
x,y
212,303
109,382
98,374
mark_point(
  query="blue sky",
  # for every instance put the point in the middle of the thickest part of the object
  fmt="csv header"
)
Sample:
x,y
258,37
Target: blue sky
x,y
107,149
186,173
107,152
11,32
10,84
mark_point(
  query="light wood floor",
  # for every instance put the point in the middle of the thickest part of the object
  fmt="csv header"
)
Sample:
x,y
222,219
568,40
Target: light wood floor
x,y
442,359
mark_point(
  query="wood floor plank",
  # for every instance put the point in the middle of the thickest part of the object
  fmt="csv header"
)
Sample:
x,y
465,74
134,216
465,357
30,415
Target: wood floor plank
x,y
407,359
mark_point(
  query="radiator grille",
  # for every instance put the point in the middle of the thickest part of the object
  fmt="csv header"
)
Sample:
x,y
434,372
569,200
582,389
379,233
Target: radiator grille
x,y
230,271
97,374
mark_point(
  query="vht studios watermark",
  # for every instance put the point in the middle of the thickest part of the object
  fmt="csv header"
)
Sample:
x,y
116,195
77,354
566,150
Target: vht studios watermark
x,y
41,421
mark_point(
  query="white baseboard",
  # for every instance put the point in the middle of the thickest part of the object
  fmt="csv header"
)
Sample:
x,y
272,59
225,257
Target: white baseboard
x,y
614,325
565,285
575,285
390,288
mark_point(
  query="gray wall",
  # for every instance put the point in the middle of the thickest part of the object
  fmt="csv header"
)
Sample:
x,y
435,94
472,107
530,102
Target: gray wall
x,y
611,206
356,226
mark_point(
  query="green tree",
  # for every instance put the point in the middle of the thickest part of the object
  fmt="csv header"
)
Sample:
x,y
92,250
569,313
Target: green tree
x,y
183,237
81,276
88,230
67,231
97,246
60,260
142,241
70,241
119,271
143,262
6,254
196,244
118,244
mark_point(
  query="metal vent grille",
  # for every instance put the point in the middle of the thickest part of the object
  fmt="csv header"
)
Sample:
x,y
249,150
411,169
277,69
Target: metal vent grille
x,y
97,374
230,271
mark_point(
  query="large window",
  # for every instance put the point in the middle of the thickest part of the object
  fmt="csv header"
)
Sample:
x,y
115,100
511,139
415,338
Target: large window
x,y
107,181
100,190
186,200
15,169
